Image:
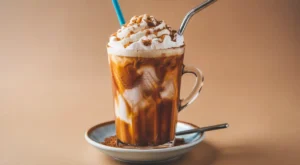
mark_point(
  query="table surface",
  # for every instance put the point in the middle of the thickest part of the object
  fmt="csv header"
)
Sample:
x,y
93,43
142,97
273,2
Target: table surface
x,y
55,80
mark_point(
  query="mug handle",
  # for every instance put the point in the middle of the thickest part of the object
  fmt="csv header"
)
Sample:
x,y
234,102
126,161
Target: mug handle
x,y
197,87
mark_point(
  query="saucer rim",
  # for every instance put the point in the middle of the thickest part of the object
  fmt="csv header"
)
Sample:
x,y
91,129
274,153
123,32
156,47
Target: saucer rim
x,y
109,148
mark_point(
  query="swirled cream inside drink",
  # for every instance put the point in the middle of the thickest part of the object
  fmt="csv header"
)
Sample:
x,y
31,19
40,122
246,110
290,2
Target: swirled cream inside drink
x,y
145,58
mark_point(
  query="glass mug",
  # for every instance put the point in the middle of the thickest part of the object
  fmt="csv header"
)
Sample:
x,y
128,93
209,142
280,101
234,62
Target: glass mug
x,y
146,93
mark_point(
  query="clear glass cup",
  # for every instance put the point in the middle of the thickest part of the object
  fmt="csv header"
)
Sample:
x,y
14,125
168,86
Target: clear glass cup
x,y
146,93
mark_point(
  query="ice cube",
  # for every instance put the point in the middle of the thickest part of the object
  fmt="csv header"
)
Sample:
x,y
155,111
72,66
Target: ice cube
x,y
125,77
169,90
133,96
145,104
137,100
149,79
121,61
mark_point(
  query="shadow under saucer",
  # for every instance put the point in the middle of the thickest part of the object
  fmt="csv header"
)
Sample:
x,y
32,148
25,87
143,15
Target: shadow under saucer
x,y
204,154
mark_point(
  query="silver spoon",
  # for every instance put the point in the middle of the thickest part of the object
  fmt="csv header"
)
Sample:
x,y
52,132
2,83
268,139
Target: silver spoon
x,y
189,15
204,129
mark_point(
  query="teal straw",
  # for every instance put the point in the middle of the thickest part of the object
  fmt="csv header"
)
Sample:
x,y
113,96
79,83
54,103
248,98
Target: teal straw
x,y
118,12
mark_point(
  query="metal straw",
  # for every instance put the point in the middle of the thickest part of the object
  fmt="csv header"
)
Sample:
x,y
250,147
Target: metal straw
x,y
189,15
203,129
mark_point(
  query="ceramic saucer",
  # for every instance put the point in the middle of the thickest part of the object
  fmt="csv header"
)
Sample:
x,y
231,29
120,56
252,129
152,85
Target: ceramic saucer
x,y
98,133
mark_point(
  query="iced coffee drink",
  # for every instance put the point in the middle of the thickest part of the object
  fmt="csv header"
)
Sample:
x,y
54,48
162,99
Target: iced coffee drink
x,y
146,64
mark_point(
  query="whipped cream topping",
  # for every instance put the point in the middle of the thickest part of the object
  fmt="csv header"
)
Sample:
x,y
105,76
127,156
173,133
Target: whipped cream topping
x,y
144,32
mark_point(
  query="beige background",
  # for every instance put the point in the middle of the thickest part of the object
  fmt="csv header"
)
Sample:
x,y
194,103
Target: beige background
x,y
54,78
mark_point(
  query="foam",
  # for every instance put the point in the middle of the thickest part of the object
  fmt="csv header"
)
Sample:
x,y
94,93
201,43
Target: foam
x,y
145,53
